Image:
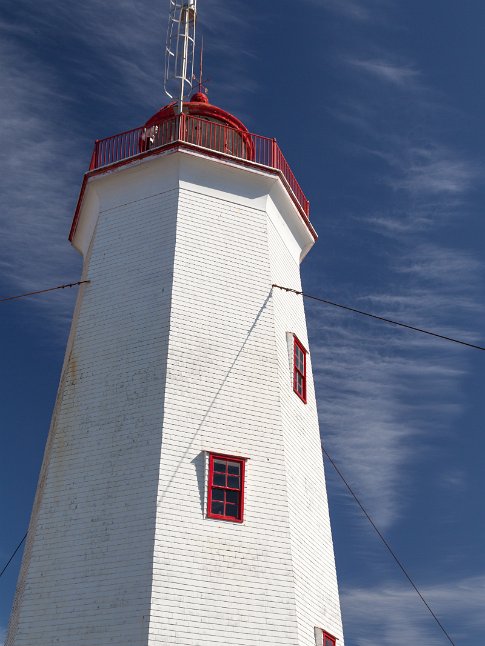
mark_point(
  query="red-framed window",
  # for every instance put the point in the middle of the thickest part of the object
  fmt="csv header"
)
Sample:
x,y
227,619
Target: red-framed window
x,y
328,640
225,499
299,368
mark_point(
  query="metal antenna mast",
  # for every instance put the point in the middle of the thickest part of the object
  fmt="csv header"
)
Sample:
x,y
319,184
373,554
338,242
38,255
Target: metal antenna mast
x,y
179,49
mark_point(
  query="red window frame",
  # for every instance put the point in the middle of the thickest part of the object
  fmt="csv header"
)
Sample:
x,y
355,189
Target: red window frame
x,y
328,639
299,369
224,492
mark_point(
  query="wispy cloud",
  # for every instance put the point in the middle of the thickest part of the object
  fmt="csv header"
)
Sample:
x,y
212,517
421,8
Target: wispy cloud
x,y
37,161
357,10
440,265
382,391
371,414
384,614
399,75
349,8
426,170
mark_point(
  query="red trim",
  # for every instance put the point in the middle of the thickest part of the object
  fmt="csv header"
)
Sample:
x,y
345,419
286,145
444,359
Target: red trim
x,y
78,206
328,639
227,496
299,369
176,146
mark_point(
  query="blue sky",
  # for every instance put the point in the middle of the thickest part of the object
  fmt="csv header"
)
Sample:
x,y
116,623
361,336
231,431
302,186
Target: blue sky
x,y
378,106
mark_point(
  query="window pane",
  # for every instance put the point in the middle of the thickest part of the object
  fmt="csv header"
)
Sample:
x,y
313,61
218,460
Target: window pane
x,y
233,468
232,496
217,494
329,642
220,466
217,507
233,481
299,383
219,479
232,510
299,359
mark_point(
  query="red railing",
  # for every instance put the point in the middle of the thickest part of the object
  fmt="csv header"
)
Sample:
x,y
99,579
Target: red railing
x,y
203,133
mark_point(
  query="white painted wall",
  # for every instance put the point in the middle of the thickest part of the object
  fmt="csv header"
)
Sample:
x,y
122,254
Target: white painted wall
x,y
316,590
86,574
212,578
179,348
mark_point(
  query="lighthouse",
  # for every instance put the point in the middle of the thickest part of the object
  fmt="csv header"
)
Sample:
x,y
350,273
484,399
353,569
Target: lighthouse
x,y
182,498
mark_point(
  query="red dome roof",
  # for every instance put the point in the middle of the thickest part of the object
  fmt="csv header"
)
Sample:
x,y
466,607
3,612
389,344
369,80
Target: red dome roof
x,y
199,97
198,106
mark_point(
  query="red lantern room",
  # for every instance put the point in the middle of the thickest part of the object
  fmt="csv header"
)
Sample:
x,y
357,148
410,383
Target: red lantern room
x,y
208,126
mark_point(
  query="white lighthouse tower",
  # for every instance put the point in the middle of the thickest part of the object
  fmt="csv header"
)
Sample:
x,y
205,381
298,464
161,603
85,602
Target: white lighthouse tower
x,y
182,498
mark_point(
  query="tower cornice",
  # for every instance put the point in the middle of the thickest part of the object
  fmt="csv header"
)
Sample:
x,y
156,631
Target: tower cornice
x,y
180,165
